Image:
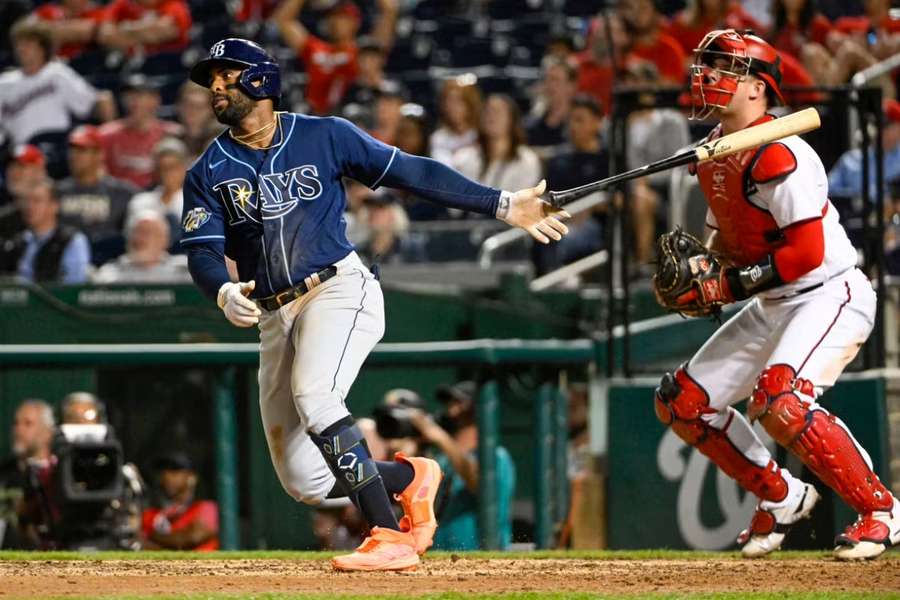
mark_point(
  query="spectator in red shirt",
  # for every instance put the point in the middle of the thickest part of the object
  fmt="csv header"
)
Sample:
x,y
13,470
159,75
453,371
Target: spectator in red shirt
x,y
650,42
73,23
255,10
331,66
690,25
157,26
129,141
181,522
598,63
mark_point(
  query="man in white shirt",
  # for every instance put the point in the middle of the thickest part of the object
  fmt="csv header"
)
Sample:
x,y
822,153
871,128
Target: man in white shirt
x,y
44,94
170,157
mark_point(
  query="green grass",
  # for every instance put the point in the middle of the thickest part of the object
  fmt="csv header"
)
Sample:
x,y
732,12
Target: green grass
x,y
301,555
539,596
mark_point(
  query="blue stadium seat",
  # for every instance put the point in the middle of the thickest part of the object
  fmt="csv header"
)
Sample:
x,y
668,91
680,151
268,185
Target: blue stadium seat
x,y
410,54
514,9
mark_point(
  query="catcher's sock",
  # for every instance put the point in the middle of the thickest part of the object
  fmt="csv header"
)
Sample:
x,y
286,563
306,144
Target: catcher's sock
x,y
396,475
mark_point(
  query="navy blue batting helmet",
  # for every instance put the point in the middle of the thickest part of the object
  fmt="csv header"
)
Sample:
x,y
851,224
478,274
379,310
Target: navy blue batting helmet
x,y
258,65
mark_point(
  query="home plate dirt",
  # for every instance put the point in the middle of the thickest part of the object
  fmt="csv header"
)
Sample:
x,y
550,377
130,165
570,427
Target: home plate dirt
x,y
86,578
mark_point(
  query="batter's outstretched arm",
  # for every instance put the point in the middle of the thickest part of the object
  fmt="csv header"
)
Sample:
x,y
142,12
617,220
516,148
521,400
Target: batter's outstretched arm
x,y
373,163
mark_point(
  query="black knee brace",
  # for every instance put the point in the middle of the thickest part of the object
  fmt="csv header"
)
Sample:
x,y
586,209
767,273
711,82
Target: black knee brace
x,y
347,455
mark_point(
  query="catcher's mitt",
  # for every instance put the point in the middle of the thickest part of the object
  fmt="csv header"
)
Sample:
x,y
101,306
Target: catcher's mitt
x,y
689,278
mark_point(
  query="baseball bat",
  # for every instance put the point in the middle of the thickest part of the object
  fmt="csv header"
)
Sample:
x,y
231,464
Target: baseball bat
x,y
745,139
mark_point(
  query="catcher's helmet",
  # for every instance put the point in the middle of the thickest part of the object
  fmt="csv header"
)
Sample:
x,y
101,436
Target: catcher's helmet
x,y
259,67
744,54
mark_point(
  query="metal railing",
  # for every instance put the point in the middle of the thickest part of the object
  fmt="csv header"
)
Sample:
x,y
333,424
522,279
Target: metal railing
x,y
500,240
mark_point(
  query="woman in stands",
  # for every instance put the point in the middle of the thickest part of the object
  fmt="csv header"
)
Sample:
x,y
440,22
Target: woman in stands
x,y
500,158
459,107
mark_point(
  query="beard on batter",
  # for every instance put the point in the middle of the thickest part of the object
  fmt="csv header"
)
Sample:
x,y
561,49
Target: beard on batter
x,y
238,107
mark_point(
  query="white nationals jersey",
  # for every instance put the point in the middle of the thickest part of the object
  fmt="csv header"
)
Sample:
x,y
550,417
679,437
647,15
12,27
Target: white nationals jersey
x,y
738,204
43,102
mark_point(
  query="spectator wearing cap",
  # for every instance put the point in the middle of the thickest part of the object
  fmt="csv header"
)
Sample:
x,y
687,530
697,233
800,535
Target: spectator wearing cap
x,y
389,100
546,126
90,199
27,165
501,158
45,252
129,141
587,161
171,161
459,112
25,169
195,115
387,238
180,521
153,26
845,179
73,24
454,436
43,95
147,259
332,65
370,60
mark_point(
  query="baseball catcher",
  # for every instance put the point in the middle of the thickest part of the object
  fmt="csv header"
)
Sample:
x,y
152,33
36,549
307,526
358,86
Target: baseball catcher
x,y
776,239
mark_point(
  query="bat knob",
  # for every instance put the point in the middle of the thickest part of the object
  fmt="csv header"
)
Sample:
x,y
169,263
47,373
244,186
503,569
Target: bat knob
x,y
556,198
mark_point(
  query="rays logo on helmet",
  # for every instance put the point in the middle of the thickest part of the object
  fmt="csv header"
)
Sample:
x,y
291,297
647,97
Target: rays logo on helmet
x,y
217,50
195,219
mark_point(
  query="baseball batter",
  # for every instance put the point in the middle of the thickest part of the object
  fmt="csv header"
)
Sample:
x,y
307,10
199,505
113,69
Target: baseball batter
x,y
811,311
268,194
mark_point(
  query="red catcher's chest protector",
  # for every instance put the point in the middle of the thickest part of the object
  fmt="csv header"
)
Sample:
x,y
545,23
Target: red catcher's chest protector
x,y
747,232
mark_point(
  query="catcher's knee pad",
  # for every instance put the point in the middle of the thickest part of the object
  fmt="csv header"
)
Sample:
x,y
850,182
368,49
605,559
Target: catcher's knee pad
x,y
680,402
680,397
347,455
818,439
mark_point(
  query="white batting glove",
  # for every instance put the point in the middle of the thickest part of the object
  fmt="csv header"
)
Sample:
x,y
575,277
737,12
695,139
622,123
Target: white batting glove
x,y
526,209
238,308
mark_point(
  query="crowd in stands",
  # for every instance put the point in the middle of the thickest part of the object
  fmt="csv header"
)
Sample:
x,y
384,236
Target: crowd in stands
x,y
99,123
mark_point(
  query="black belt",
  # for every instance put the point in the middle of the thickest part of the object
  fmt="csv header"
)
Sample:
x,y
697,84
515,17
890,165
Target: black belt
x,y
815,286
278,300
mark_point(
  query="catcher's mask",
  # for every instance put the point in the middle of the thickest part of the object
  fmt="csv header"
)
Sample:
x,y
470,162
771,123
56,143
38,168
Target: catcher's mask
x,y
722,61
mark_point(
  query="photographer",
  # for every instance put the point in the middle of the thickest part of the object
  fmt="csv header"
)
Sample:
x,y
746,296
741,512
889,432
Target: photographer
x,y
95,499
180,522
454,435
31,462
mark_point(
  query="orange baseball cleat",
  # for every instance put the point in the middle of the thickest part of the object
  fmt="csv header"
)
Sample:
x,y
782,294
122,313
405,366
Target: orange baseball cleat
x,y
383,550
417,499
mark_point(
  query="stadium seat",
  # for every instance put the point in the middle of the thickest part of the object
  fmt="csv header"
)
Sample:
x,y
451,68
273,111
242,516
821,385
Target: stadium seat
x,y
410,54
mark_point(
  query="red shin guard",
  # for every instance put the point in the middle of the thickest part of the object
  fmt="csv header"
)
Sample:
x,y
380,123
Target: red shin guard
x,y
680,402
817,439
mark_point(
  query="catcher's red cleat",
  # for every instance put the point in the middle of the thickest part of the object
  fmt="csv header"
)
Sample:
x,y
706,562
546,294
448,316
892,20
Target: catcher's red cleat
x,y
870,535
383,550
417,499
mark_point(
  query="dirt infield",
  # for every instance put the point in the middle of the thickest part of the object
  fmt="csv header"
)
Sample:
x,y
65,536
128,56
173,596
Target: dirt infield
x,y
96,578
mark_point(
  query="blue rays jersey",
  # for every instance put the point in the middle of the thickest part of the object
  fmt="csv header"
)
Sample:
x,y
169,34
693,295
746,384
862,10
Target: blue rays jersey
x,y
279,210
